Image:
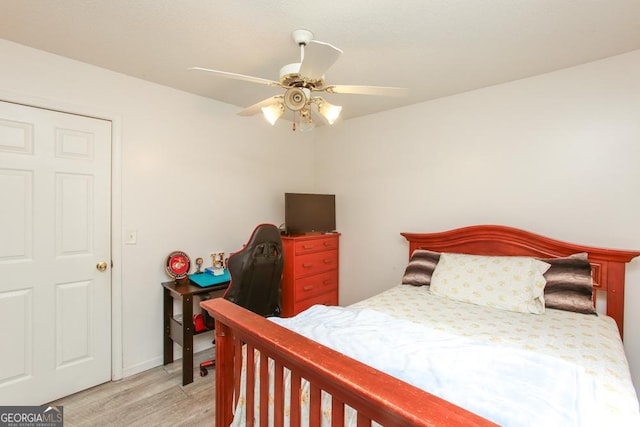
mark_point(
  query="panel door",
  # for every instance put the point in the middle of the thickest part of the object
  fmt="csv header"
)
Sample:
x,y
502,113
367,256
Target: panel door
x,y
55,309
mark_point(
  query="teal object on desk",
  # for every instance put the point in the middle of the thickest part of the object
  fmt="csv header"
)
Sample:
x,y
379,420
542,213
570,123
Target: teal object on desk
x,y
206,279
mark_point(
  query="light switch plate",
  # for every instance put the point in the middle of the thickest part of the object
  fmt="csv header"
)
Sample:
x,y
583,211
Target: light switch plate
x,y
131,237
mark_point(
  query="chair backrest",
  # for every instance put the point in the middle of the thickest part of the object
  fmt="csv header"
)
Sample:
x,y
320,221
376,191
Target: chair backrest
x,y
256,272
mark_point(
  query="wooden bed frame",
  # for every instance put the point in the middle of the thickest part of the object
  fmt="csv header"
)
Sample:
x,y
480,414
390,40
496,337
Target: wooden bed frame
x,y
375,395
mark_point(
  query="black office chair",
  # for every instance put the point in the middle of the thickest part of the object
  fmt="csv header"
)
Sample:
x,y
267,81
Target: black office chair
x,y
256,276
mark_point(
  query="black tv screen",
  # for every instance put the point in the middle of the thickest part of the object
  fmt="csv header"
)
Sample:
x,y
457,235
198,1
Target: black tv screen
x,y
309,213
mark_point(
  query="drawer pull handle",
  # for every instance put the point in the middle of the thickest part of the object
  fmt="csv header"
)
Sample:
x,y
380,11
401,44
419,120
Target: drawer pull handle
x,y
307,265
327,281
327,261
327,243
307,246
308,288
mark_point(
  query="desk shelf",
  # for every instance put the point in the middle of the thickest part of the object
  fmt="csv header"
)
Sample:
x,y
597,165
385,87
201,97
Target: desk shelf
x,y
178,319
178,331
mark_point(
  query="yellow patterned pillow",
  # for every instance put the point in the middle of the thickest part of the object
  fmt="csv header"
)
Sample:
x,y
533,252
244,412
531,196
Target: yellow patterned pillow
x,y
508,282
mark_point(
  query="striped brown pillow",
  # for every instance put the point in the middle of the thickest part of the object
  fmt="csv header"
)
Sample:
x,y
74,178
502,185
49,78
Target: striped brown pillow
x,y
420,268
569,284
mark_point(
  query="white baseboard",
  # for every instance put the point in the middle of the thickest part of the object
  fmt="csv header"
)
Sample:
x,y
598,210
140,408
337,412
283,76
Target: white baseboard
x,y
201,343
127,371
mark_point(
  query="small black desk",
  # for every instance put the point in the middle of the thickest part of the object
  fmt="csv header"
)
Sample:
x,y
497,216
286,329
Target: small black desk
x,y
182,332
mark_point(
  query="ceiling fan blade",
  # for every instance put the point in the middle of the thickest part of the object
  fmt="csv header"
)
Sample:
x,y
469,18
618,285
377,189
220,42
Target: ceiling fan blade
x,y
367,90
239,76
318,58
257,107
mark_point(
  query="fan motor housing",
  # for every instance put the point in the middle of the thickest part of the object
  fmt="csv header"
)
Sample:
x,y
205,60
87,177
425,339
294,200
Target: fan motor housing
x,y
290,77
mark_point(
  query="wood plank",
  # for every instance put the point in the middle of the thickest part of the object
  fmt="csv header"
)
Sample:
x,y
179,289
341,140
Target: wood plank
x,y
154,397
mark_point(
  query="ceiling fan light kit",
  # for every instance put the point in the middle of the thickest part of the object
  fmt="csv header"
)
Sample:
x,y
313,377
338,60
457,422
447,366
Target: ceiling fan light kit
x,y
273,112
303,122
329,111
300,80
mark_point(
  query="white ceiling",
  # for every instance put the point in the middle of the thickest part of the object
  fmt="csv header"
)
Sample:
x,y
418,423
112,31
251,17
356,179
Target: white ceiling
x,y
434,48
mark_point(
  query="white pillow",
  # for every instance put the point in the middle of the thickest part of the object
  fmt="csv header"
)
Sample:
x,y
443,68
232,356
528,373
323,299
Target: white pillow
x,y
511,283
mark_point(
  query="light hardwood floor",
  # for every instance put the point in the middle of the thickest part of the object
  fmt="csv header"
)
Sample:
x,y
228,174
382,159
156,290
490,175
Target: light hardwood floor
x,y
152,398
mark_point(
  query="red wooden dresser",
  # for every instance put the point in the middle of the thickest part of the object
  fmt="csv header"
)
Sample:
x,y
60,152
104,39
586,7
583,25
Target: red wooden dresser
x,y
310,272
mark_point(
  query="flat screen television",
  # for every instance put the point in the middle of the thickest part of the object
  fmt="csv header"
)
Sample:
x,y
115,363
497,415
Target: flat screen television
x,y
309,213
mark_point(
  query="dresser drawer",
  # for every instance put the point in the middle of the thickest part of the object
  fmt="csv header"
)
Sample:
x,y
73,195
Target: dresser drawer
x,y
324,299
311,286
314,263
315,245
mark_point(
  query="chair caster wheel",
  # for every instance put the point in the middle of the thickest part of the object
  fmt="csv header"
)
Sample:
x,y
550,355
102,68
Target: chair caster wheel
x,y
203,372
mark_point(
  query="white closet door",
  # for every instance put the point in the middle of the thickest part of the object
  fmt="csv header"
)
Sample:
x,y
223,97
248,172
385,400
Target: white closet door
x,y
55,304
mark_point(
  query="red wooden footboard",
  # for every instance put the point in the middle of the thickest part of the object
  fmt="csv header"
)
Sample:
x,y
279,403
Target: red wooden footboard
x,y
376,396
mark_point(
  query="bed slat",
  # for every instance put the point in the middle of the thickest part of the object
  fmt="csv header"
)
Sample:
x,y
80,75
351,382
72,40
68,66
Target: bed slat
x,y
296,382
264,390
314,405
250,384
278,404
337,413
237,363
363,421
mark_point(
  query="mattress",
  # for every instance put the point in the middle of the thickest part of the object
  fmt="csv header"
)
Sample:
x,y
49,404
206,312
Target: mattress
x,y
580,355
590,341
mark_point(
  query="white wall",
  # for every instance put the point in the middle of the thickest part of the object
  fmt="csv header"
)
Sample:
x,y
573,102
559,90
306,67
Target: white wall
x,y
194,176
557,154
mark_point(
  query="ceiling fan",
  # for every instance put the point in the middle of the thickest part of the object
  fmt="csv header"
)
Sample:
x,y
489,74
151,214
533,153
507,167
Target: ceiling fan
x,y
300,81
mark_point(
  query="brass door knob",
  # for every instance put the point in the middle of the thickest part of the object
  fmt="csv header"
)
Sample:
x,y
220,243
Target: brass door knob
x,y
101,266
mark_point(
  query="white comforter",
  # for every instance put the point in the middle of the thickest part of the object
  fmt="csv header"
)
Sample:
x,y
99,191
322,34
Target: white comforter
x,y
510,386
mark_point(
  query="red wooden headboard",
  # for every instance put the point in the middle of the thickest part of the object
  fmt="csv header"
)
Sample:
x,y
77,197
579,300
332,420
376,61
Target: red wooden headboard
x,y
607,265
